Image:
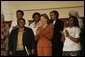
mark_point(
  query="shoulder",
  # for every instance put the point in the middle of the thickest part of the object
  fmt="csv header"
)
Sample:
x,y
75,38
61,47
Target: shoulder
x,y
60,21
15,29
28,28
31,24
77,28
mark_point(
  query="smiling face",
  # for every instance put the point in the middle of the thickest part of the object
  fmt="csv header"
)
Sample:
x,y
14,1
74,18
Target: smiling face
x,y
36,18
71,21
21,23
52,16
43,19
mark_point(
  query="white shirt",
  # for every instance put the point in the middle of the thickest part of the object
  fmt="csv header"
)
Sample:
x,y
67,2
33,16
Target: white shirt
x,y
34,27
14,23
54,22
70,45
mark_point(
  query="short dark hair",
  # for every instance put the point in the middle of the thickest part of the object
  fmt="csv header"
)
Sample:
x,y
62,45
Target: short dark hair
x,y
36,13
20,20
75,21
20,12
55,12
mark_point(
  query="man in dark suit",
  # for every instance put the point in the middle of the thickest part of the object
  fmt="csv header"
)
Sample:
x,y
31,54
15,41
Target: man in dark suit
x,y
56,40
21,40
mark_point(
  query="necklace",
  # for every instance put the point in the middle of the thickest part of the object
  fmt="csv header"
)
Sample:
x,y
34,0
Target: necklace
x,y
21,29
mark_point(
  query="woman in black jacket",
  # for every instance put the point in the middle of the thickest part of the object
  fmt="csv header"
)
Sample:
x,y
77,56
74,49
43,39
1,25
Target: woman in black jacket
x,y
21,40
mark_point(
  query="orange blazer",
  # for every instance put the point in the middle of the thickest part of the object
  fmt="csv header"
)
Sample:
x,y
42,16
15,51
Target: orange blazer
x,y
44,36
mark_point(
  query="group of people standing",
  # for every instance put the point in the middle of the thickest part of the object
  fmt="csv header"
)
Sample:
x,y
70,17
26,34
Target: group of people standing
x,y
45,36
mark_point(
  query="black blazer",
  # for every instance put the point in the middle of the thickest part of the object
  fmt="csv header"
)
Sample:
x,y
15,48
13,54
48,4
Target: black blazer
x,y
28,39
56,40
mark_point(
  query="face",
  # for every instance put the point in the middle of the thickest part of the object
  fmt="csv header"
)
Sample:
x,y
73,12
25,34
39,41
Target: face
x,y
52,16
36,18
71,22
19,15
21,23
43,20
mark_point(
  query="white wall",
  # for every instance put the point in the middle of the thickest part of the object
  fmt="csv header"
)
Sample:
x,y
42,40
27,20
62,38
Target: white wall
x,y
9,8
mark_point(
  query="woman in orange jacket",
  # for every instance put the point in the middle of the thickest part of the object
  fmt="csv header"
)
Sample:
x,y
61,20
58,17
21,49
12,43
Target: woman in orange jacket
x,y
44,36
